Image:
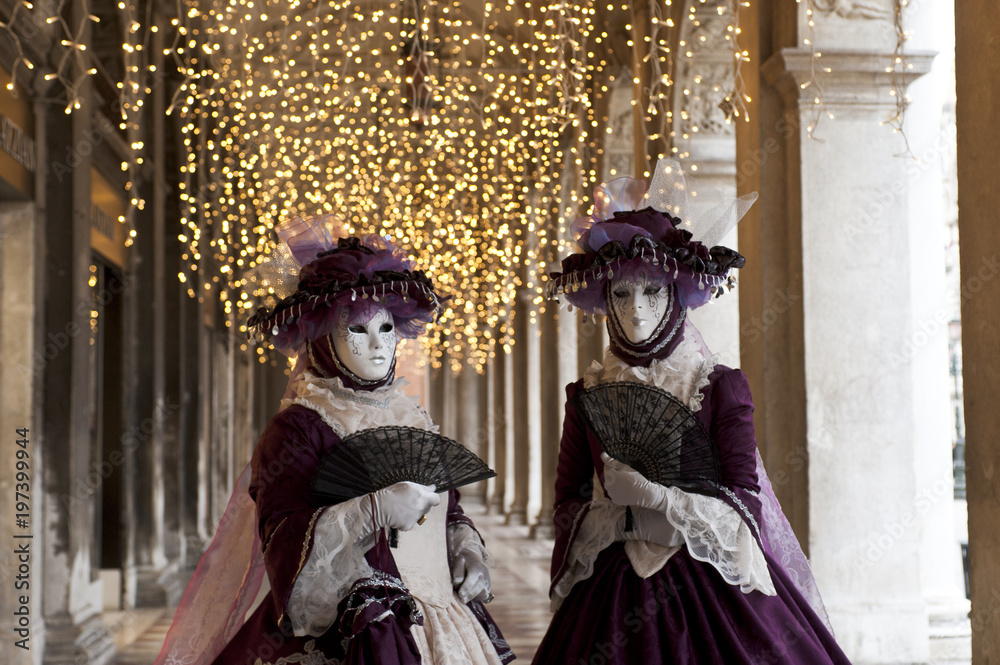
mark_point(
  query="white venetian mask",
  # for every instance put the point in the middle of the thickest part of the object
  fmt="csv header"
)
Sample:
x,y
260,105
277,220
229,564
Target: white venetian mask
x,y
639,307
366,350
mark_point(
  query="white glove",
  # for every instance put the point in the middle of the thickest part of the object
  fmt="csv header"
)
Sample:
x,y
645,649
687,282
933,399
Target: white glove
x,y
400,506
627,487
651,526
471,577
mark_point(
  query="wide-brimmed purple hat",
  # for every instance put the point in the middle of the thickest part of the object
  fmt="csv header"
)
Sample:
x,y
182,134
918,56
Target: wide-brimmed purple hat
x,y
632,233
362,273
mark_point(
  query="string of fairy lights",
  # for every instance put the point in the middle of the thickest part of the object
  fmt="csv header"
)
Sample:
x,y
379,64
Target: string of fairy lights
x,y
896,69
468,132
444,125
75,65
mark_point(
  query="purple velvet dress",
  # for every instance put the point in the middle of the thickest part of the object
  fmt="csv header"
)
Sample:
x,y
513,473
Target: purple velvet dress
x,y
373,621
686,613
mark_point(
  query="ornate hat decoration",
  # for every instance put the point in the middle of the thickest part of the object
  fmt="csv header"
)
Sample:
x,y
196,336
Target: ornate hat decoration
x,y
363,273
632,231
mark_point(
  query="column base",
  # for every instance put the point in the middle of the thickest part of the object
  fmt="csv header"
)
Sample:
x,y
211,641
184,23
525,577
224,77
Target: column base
x,y
156,588
172,545
193,547
86,643
495,505
517,517
543,529
950,633
173,581
474,494
881,633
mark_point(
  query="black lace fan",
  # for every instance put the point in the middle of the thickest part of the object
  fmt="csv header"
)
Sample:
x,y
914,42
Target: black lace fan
x,y
654,433
372,459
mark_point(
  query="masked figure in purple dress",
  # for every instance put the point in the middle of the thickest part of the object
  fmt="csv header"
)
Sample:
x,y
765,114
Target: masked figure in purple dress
x,y
289,579
704,568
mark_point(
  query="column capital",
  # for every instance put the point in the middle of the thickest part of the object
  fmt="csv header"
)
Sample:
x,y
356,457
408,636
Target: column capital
x,y
858,79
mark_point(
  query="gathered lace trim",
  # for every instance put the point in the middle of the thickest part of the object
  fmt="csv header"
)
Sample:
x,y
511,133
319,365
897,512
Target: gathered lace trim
x,y
718,535
713,533
683,374
348,411
336,562
743,507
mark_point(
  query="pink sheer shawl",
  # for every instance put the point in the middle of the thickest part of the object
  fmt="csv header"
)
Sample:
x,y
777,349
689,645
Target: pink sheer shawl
x,y
223,589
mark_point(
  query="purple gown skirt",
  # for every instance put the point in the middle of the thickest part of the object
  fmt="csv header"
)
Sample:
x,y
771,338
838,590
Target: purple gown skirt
x,y
685,614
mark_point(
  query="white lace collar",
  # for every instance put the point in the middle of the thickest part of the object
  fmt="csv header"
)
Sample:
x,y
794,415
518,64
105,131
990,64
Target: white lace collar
x,y
348,411
683,374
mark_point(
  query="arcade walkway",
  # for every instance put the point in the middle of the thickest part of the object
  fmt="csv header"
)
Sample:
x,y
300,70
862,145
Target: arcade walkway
x,y
520,584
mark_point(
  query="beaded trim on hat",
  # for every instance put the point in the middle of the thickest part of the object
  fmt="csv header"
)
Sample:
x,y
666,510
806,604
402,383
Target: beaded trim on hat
x,y
278,319
575,281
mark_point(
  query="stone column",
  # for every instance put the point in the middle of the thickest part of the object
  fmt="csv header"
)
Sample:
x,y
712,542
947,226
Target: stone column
x,y
21,445
706,146
830,235
526,413
167,294
835,415
591,339
497,426
449,396
931,138
977,67
71,597
552,397
141,440
192,373
436,405
507,431
470,430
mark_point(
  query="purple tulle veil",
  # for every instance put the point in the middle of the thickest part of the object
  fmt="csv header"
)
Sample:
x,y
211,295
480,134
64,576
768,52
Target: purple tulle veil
x,y
779,538
775,531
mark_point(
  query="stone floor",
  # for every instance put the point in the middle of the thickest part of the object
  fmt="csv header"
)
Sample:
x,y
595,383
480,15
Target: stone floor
x,y
520,583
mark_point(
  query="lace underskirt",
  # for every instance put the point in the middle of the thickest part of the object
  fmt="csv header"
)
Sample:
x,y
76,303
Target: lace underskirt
x,y
422,558
451,635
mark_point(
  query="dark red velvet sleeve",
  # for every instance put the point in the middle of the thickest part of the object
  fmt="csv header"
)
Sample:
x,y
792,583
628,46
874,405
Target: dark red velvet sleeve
x,y
732,430
574,481
283,464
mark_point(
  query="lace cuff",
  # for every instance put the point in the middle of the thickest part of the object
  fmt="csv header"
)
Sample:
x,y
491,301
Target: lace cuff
x,y
463,537
336,562
716,534
597,531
